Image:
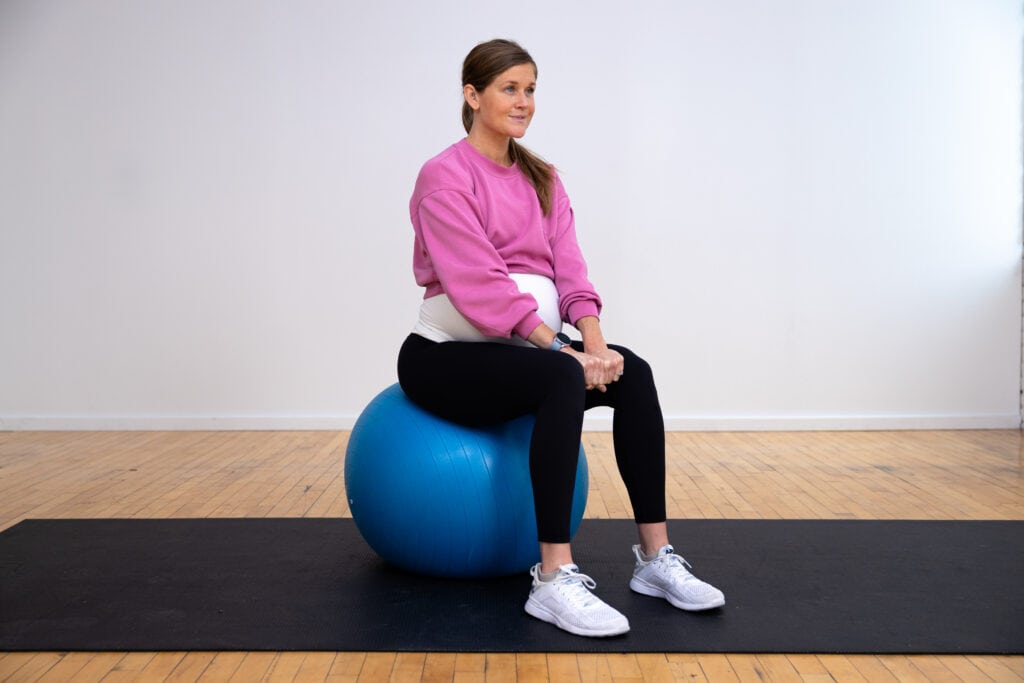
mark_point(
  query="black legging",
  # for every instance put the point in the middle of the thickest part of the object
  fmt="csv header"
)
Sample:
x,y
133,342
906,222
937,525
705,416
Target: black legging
x,y
480,383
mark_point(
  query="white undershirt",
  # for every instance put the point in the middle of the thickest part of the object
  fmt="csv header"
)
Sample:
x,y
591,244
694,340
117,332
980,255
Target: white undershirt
x,y
439,320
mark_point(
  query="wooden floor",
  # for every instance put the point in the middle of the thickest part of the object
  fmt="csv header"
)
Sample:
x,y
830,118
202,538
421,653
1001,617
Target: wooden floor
x,y
817,475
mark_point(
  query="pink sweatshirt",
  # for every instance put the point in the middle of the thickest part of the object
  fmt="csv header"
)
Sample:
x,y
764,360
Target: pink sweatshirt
x,y
477,221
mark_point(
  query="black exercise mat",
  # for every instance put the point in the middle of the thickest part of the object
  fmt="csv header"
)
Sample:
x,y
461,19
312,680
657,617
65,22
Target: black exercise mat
x,y
312,584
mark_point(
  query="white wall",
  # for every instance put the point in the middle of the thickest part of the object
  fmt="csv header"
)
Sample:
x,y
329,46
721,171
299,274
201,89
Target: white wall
x,y
805,213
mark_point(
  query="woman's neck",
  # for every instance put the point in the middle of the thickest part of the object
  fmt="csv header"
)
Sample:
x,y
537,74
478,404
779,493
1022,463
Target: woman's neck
x,y
495,149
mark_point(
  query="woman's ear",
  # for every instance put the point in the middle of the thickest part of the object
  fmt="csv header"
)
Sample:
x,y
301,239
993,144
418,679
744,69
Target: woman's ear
x,y
469,92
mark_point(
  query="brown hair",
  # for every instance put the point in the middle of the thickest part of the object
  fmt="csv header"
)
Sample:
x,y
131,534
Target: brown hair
x,y
482,65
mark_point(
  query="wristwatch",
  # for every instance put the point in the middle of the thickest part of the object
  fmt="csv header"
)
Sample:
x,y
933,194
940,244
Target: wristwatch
x,y
561,340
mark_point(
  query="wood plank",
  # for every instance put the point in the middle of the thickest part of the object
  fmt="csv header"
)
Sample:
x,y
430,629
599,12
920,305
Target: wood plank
x,y
190,667
501,668
563,668
223,667
255,666
1002,669
128,668
687,667
964,668
315,667
346,667
531,667
408,667
857,668
715,667
655,667
377,666
747,668
285,667
778,668
25,666
439,666
97,666
159,668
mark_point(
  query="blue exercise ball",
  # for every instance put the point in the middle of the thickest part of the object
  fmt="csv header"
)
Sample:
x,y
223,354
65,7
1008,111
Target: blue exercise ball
x,y
437,498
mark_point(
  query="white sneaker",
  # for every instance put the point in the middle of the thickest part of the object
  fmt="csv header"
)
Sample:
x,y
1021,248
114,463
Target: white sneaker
x,y
568,603
666,577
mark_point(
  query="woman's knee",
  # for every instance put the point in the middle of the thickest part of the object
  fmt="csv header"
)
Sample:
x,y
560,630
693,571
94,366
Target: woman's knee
x,y
565,380
564,368
633,364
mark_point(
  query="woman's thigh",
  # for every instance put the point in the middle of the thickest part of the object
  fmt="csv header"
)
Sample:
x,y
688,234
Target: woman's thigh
x,y
483,382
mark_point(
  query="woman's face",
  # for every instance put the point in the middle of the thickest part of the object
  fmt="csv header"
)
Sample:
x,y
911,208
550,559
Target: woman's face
x,y
505,107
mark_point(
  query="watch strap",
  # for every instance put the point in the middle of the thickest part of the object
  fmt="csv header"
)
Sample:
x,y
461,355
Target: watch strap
x,y
560,341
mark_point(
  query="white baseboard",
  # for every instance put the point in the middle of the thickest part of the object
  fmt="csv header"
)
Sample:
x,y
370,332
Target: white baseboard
x,y
596,422
828,423
172,424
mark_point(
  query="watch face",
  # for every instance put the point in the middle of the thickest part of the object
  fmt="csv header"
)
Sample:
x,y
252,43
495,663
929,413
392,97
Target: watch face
x,y
564,338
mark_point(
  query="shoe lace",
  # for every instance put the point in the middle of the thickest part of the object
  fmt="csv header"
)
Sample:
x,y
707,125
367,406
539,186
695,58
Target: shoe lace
x,y
677,567
576,587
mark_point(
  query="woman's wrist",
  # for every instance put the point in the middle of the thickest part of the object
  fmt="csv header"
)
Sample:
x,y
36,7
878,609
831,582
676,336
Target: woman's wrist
x,y
590,328
543,337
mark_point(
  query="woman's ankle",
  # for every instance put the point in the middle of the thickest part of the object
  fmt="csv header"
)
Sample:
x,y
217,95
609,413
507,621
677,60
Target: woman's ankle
x,y
553,556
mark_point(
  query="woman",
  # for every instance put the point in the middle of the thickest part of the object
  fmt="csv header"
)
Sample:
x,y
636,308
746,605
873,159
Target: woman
x,y
496,250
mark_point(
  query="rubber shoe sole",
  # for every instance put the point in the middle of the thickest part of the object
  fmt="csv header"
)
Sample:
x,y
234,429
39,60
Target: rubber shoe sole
x,y
535,609
638,585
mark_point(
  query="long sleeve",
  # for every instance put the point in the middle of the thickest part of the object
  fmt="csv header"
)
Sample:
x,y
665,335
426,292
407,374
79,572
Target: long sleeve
x,y
577,297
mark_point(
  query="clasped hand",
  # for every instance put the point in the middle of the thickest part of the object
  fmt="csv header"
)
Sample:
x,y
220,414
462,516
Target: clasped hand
x,y
600,368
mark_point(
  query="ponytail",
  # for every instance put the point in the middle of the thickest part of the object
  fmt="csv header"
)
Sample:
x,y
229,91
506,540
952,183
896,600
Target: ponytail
x,y
537,171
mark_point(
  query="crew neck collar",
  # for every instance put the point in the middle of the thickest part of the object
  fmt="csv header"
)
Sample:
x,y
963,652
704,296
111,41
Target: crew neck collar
x,y
484,162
